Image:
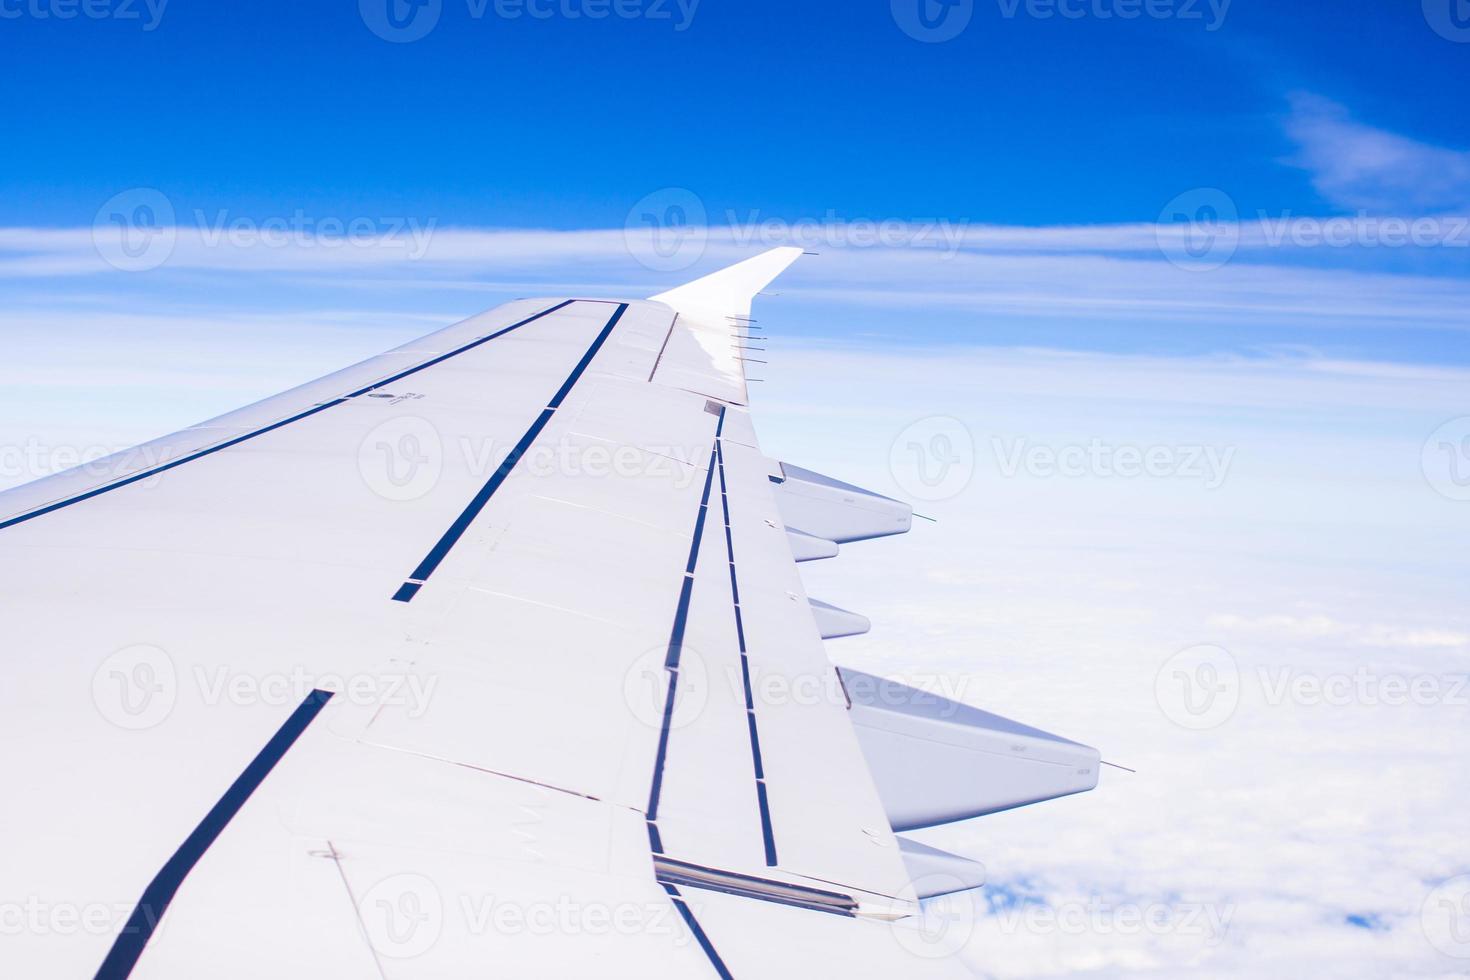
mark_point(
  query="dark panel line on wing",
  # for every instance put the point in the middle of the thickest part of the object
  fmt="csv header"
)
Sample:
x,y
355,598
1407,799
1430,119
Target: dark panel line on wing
x,y
155,471
255,434
133,938
460,350
763,800
671,660
698,930
336,857
667,337
440,551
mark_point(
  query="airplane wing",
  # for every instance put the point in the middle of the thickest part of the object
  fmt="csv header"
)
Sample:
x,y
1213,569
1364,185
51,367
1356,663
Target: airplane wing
x,y
488,656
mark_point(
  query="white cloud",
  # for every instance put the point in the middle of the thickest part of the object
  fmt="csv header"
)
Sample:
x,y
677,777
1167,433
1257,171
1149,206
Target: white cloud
x,y
1355,165
1319,626
1110,274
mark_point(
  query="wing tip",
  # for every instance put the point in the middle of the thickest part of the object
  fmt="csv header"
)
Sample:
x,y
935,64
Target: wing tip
x,y
731,290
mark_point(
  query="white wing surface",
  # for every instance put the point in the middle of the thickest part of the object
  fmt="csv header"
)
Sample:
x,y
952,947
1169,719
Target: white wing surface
x,y
487,657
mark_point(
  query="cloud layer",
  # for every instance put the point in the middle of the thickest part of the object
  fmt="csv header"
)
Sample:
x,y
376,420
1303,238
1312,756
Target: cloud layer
x,y
1302,832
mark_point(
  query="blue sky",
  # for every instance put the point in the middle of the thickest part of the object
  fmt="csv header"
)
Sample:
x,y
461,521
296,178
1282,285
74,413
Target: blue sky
x,y
791,108
1235,232
1026,120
